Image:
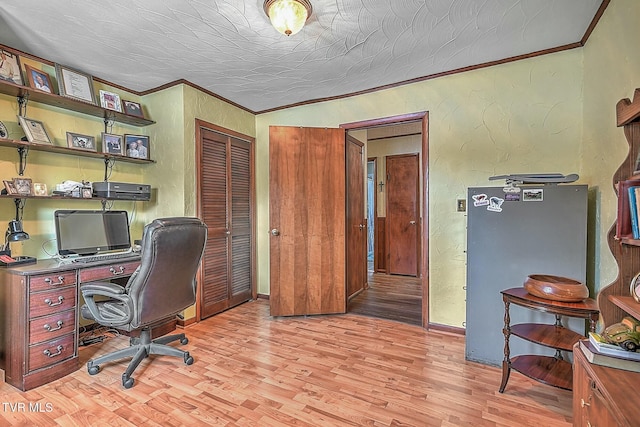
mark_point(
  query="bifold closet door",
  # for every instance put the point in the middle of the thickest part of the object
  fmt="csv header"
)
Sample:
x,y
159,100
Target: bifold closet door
x,y
226,208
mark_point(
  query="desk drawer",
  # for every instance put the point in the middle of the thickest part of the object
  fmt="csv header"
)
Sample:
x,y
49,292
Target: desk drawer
x,y
43,303
52,281
108,272
50,352
53,326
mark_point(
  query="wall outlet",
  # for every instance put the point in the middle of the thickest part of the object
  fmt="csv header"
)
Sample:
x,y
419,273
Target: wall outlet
x,y
461,205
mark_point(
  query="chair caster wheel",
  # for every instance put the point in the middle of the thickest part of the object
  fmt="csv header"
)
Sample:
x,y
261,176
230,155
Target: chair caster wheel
x,y
188,359
93,369
184,341
127,382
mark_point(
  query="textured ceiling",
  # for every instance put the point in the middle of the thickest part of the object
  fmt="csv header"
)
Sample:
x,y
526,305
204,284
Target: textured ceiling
x,y
229,47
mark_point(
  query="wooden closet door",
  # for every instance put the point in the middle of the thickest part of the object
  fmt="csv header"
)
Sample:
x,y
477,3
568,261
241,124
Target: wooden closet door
x,y
226,207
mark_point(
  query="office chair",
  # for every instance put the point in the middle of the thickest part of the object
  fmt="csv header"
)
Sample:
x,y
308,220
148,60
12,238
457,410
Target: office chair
x,y
163,285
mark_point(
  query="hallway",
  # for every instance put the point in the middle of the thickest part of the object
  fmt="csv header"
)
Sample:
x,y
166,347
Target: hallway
x,y
390,297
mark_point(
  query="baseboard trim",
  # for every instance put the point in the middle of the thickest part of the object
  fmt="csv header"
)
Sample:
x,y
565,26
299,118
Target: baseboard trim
x,y
453,330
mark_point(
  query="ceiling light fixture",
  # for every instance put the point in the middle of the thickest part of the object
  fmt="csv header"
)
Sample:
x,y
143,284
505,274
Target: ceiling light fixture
x,y
288,16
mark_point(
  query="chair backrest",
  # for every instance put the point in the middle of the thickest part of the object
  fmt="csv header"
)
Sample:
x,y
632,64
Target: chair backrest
x,y
165,282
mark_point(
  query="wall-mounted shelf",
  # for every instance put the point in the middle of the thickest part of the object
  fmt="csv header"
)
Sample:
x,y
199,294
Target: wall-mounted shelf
x,y
56,197
69,151
71,104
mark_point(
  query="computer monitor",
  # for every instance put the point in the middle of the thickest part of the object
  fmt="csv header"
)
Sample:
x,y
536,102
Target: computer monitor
x,y
85,232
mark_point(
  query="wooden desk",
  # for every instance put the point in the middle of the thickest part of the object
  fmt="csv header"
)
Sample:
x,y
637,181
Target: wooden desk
x,y
554,371
39,316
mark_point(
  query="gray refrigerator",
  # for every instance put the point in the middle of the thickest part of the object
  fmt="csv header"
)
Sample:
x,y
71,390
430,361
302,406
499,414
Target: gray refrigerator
x,y
538,230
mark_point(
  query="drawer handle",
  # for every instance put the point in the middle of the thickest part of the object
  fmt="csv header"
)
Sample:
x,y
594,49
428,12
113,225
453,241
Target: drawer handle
x,y
49,282
58,353
583,403
52,304
116,273
50,329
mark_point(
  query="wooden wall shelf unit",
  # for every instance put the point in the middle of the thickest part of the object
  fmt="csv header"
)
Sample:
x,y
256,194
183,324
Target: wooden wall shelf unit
x,y
551,370
71,104
625,251
604,395
69,151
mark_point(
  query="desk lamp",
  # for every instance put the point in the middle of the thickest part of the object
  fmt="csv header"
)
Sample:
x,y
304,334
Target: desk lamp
x,y
14,233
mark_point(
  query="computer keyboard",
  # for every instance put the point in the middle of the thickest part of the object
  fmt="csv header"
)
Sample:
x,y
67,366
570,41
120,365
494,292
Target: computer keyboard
x,y
94,258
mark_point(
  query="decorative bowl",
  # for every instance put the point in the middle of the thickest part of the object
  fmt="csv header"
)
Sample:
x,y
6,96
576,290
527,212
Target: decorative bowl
x,y
556,288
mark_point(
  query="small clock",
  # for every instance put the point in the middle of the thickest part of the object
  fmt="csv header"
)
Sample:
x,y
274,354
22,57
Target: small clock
x,y
3,131
634,287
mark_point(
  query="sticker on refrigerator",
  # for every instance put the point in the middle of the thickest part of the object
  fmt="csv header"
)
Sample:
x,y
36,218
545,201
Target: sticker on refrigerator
x,y
512,197
480,200
531,195
495,204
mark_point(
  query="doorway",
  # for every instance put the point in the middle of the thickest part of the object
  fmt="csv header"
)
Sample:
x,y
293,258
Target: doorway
x,y
395,297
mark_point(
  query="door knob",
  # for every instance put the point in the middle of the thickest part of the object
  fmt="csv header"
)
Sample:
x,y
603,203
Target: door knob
x,y
275,232
361,226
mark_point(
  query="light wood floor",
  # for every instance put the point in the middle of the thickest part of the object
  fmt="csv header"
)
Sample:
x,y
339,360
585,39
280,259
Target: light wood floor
x,y
254,370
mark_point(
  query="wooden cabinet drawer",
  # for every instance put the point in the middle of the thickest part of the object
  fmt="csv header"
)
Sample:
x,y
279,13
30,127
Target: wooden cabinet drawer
x,y
108,272
52,326
44,303
52,281
50,352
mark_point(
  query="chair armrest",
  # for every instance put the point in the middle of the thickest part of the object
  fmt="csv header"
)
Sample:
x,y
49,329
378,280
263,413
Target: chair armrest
x,y
109,290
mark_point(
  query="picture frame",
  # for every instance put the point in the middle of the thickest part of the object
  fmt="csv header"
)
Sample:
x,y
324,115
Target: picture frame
x,y
634,287
38,80
10,70
75,84
112,144
110,101
137,146
78,141
40,189
23,186
34,130
132,109
11,189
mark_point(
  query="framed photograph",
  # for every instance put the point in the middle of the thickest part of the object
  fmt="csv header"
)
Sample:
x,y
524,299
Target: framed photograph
x,y
23,186
81,142
39,189
34,130
137,146
75,84
634,287
132,108
10,67
110,101
112,144
11,189
38,80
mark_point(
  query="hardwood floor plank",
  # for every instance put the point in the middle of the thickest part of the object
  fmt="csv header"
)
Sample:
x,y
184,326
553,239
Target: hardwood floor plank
x,y
255,370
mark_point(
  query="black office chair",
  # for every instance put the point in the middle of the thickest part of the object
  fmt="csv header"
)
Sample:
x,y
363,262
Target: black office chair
x,y
163,285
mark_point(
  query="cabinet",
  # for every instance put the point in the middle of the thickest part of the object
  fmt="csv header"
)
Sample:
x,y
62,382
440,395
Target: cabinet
x,y
39,317
603,396
551,370
606,396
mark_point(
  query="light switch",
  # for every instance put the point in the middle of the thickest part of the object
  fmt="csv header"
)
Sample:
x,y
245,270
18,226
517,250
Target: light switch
x,y
461,205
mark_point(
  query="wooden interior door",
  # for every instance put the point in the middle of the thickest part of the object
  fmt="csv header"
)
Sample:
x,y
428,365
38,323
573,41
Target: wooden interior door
x,y
226,207
403,214
356,219
307,220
